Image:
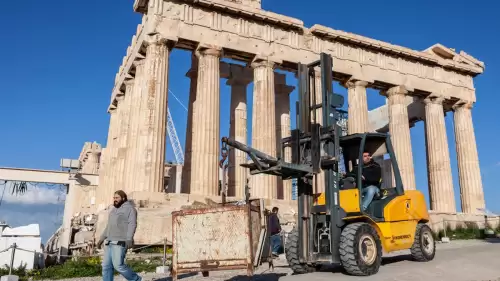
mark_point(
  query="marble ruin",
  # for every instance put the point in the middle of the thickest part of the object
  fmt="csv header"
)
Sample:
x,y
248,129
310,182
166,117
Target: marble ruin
x,y
418,85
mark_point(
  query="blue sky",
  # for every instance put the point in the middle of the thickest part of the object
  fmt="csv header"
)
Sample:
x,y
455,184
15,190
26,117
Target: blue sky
x,y
60,59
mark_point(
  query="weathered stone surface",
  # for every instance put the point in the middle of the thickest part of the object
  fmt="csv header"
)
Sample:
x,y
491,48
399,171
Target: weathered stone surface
x,y
441,194
237,175
399,128
264,125
469,174
248,30
154,213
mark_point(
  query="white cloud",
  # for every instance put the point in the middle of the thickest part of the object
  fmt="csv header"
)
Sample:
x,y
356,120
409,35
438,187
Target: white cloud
x,y
36,194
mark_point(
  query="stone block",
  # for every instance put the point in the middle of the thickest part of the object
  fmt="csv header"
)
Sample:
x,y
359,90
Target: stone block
x,y
163,270
9,278
445,239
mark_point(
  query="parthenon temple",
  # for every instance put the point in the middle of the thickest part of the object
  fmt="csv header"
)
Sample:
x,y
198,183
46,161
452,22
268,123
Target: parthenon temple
x,y
418,86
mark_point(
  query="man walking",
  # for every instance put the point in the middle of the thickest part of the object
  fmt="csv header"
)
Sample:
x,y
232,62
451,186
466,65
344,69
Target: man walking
x,y
275,230
118,237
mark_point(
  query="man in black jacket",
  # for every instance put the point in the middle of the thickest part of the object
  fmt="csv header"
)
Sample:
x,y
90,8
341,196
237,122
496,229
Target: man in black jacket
x,y
274,231
371,177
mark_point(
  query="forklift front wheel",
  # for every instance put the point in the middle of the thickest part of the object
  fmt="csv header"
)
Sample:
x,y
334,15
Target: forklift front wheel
x,y
424,246
360,249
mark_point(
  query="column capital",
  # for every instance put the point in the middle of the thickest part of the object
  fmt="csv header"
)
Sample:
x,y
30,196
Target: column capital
x,y
119,98
434,99
193,71
238,75
161,41
260,61
208,50
462,104
129,82
395,91
137,63
352,83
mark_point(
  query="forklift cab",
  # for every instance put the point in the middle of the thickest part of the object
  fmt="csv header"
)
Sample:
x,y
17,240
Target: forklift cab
x,y
351,183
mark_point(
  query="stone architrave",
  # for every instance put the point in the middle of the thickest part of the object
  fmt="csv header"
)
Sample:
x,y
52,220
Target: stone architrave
x,y
263,126
357,106
193,106
151,143
205,126
441,193
469,174
283,125
131,156
319,179
399,128
237,175
124,131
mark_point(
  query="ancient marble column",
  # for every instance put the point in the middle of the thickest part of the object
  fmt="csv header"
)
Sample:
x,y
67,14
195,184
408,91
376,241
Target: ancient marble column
x,y
131,156
186,169
357,106
237,175
124,131
283,124
399,129
319,179
150,171
469,174
438,157
205,153
113,163
104,175
263,125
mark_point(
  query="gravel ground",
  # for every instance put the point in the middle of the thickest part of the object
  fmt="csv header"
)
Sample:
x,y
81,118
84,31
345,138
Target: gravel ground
x,y
458,260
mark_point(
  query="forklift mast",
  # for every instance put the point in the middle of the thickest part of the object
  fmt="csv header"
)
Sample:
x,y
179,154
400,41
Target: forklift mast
x,y
315,148
324,152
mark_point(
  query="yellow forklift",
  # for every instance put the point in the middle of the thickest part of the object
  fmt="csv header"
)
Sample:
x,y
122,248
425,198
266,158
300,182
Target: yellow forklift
x,y
332,227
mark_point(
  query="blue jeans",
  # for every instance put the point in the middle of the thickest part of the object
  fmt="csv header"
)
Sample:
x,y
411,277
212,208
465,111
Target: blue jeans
x,y
114,257
368,194
275,243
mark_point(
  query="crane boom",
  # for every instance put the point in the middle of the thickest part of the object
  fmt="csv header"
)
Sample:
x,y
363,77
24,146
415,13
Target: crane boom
x,y
174,139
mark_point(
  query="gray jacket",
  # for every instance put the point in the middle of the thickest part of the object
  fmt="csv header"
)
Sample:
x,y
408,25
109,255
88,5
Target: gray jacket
x,y
122,223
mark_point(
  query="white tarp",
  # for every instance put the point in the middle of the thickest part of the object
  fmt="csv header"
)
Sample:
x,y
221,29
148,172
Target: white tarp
x,y
27,238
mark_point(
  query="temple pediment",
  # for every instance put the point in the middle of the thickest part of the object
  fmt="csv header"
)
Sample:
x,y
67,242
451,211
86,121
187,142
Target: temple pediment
x,y
442,52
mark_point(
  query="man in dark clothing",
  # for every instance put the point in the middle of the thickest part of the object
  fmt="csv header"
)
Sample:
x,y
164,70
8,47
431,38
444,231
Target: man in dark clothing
x,y
275,231
118,236
371,177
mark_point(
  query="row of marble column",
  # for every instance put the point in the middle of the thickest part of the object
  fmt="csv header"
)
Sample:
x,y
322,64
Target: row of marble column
x,y
270,123
441,190
134,156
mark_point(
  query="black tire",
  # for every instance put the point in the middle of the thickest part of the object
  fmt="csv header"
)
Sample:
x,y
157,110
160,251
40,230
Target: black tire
x,y
292,254
424,245
351,256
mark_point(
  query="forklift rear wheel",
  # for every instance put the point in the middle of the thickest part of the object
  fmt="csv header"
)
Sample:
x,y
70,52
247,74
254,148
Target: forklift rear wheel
x,y
424,246
360,249
292,254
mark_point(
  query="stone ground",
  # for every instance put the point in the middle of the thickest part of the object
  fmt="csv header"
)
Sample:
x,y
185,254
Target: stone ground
x,y
458,260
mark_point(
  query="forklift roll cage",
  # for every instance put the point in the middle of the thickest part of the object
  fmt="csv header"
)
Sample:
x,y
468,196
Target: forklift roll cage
x,y
316,148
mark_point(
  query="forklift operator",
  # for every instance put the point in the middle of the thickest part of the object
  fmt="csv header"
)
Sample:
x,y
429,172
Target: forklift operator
x,y
371,176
